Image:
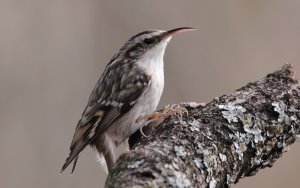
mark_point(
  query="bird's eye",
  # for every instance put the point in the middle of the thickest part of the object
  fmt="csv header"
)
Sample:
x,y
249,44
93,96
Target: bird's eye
x,y
148,41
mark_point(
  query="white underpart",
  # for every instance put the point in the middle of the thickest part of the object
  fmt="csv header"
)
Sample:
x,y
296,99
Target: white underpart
x,y
153,65
102,162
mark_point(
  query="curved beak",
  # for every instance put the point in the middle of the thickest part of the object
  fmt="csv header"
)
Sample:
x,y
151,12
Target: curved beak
x,y
176,31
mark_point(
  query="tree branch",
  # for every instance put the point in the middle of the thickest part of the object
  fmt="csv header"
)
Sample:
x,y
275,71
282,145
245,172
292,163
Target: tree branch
x,y
218,143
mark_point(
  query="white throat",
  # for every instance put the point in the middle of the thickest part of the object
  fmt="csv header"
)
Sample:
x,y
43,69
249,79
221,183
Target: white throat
x,y
153,60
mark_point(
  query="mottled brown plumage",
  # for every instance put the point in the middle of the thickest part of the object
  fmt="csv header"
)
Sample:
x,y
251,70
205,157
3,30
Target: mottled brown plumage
x,y
130,86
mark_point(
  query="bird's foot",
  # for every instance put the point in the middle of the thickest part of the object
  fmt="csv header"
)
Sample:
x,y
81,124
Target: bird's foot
x,y
156,118
175,110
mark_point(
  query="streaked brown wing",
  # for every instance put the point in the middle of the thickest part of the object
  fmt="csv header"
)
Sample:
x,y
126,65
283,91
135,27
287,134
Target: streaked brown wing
x,y
84,135
113,96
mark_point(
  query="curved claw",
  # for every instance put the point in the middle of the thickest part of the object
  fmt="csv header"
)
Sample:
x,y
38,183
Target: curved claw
x,y
142,133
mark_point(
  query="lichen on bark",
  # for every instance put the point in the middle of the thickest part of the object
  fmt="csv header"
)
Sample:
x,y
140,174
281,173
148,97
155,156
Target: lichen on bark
x,y
218,143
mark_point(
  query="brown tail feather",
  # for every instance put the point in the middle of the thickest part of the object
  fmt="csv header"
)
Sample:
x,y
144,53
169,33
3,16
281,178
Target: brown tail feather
x,y
68,161
74,164
74,154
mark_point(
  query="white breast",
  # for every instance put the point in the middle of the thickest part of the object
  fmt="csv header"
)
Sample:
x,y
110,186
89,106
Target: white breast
x,y
152,95
153,65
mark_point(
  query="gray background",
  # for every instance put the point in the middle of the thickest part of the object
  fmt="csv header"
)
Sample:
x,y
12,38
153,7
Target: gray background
x,y
53,52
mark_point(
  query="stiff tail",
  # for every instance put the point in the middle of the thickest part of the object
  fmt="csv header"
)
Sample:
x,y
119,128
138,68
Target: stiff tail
x,y
77,145
74,154
74,164
68,161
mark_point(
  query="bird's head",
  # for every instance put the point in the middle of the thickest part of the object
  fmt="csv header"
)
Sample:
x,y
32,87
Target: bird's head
x,y
150,43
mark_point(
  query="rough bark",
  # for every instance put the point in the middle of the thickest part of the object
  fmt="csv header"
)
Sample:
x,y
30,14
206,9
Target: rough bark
x,y
218,143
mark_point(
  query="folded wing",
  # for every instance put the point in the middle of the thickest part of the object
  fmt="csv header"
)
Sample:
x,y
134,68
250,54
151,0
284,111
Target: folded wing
x,y
112,96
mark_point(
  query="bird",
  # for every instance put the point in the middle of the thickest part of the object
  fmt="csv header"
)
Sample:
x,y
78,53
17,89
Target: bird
x,y
130,87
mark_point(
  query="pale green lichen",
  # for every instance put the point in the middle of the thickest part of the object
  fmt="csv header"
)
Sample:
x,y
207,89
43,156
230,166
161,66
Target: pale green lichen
x,y
231,178
194,125
176,178
175,164
199,164
252,127
280,107
256,160
222,157
240,148
210,161
212,183
180,151
136,164
232,112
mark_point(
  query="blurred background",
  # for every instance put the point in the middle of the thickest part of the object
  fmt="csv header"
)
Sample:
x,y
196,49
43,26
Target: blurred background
x,y
53,52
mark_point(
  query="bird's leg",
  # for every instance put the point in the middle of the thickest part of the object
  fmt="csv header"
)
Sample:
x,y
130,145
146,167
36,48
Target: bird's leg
x,y
107,147
156,118
151,122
